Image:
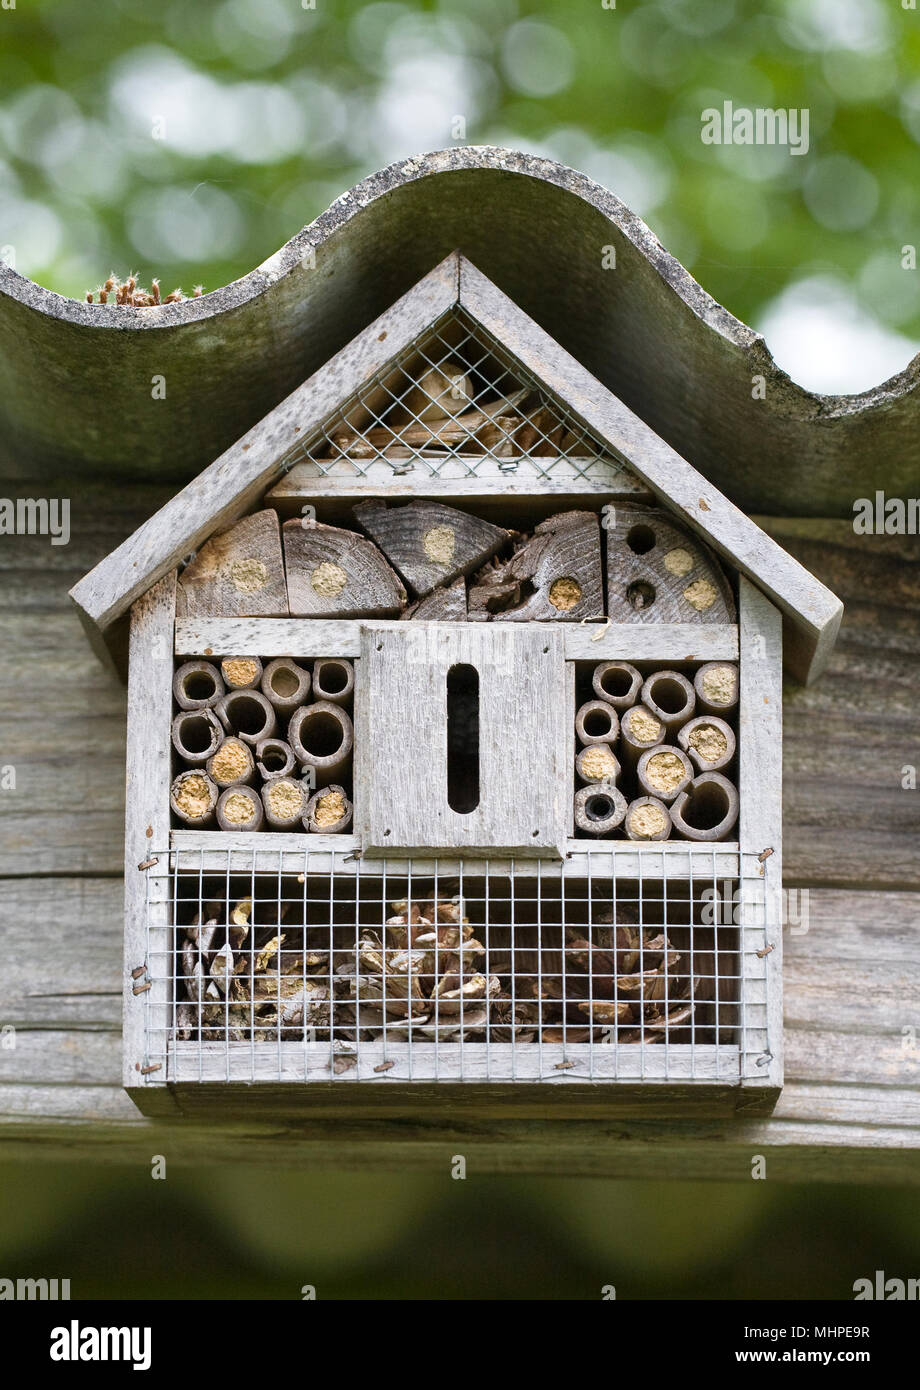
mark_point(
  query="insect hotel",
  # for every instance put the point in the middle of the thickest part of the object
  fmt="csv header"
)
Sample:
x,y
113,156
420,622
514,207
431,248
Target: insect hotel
x,y
454,740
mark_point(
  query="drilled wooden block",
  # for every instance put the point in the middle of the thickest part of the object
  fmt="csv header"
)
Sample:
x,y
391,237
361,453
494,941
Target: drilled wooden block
x,y
658,572
337,573
237,573
430,544
403,777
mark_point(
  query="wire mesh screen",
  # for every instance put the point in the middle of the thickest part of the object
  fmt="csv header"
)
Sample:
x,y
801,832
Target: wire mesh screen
x,y
444,405
321,966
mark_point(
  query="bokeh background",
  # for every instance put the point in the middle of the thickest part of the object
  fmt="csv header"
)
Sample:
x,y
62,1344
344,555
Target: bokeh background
x,y
256,1233
189,141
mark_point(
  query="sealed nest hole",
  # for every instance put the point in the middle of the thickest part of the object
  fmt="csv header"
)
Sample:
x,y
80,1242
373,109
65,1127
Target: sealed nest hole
x,y
518,961
263,744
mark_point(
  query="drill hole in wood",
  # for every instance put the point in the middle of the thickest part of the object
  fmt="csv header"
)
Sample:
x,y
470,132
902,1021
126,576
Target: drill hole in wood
x,y
640,594
641,539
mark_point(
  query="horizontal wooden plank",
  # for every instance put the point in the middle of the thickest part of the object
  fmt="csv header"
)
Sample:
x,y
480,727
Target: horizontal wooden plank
x,y
675,642
210,851
550,1063
299,637
312,637
850,1109
460,479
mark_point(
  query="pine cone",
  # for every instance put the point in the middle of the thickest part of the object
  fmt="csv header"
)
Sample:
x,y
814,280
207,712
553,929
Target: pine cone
x,y
238,992
424,975
616,976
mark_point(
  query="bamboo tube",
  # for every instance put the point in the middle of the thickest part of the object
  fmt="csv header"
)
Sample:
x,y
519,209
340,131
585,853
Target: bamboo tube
x,y
247,714
232,765
596,763
197,684
618,683
670,697
716,685
709,742
333,680
639,730
329,811
285,684
708,809
283,800
241,672
196,734
647,818
599,810
240,808
274,758
597,722
193,798
322,738
663,772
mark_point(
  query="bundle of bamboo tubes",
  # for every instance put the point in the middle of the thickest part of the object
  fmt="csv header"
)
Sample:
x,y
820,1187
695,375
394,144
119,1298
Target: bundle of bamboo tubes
x,y
656,753
263,745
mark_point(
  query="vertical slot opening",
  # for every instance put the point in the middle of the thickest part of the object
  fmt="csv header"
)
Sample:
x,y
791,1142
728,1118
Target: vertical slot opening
x,y
463,738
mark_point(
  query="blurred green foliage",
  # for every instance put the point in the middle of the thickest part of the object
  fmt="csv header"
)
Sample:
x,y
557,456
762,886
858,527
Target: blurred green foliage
x,y
190,141
266,1233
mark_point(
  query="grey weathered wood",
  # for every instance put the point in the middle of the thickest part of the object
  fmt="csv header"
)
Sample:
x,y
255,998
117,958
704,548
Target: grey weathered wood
x,y
429,543
666,642
474,1062
561,564
239,571
268,853
682,581
272,854
678,358
493,485
334,572
312,637
268,637
760,785
848,820
850,1110
147,786
814,613
440,606
230,485
225,490
401,802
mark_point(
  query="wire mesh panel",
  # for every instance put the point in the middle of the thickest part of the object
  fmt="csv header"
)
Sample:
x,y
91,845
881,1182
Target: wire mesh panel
x,y
453,404
464,971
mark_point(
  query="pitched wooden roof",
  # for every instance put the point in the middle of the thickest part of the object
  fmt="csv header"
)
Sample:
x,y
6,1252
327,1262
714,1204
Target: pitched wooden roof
x,y
230,485
647,330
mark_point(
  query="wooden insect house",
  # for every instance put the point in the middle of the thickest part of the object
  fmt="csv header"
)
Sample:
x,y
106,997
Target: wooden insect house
x,y
454,741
